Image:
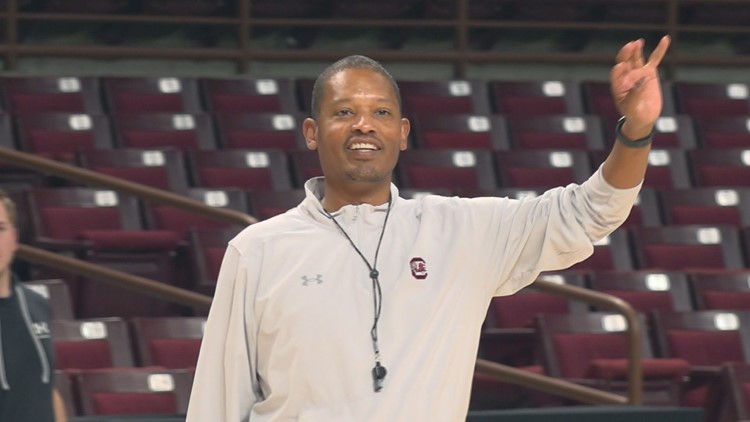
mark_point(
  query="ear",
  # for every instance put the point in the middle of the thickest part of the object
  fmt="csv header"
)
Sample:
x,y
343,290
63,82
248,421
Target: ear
x,y
309,130
405,128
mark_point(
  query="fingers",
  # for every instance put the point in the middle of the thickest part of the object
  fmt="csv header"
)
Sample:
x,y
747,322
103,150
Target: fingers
x,y
658,54
631,53
625,52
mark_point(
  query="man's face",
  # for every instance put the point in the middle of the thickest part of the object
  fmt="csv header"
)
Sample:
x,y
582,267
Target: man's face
x,y
8,242
359,131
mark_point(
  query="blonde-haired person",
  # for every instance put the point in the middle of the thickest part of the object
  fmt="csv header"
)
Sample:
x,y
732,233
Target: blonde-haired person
x,y
27,363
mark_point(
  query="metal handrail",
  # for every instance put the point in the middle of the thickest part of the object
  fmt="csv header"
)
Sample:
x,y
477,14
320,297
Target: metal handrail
x,y
117,278
634,331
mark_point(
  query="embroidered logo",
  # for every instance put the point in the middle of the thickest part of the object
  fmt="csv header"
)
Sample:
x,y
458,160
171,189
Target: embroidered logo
x,y
318,279
418,268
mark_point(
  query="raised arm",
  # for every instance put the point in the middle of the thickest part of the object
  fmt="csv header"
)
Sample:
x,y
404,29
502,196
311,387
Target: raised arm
x,y
638,97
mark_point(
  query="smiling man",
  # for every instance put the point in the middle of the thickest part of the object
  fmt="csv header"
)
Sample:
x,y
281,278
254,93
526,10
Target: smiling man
x,y
359,305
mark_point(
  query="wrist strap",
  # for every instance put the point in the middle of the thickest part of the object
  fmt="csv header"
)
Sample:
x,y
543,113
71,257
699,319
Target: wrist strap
x,y
637,143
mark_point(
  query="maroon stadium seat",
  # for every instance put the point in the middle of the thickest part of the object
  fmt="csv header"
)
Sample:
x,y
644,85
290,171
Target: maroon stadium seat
x,y
710,206
138,391
556,132
182,131
687,247
459,131
248,95
542,168
168,342
706,339
157,168
241,169
60,135
721,167
50,94
260,131
727,290
133,94
646,290
449,169
723,131
701,99
91,344
207,249
266,204
536,97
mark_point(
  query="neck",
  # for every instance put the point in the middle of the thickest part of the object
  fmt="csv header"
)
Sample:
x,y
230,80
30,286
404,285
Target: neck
x,y
335,198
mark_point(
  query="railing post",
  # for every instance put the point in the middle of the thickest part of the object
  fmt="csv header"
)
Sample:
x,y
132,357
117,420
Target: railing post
x,y
11,34
462,38
243,34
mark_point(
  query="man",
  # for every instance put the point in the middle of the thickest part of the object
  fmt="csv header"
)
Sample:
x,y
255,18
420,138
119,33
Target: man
x,y
359,305
26,362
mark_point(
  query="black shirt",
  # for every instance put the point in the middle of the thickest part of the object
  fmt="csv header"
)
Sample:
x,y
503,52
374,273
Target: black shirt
x,y
25,379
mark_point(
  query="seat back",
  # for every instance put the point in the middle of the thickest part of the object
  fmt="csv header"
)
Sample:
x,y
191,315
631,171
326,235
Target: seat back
x,y
134,392
645,291
168,342
126,94
181,130
256,130
91,343
722,290
57,293
241,169
448,169
542,168
50,94
158,168
249,95
687,247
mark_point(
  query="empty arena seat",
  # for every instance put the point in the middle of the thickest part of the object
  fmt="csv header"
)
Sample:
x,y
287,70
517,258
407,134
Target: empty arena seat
x,y
182,131
46,94
134,94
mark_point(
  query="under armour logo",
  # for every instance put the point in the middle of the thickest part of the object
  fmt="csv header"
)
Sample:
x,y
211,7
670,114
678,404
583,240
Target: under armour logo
x,y
307,280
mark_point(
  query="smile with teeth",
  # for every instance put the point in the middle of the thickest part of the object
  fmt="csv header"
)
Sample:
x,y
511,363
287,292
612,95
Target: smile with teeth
x,y
359,146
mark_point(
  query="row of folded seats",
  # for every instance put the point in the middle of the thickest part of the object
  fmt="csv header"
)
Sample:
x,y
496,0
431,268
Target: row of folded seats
x,y
123,95
60,135
695,337
57,116
458,170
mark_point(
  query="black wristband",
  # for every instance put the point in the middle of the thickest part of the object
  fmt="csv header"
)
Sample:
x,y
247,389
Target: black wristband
x,y
637,143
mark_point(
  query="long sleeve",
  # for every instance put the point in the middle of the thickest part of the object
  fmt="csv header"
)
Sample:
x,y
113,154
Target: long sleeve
x,y
559,229
225,382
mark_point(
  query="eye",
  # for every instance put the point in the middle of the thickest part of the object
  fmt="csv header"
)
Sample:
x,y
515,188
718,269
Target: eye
x,y
383,112
344,112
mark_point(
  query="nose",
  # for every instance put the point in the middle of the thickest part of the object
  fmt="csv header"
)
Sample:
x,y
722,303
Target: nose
x,y
363,124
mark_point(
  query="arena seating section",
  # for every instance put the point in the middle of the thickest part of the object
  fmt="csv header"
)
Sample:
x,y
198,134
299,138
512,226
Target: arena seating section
x,y
682,259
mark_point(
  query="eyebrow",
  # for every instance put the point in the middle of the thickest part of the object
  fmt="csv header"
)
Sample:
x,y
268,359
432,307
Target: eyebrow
x,y
379,99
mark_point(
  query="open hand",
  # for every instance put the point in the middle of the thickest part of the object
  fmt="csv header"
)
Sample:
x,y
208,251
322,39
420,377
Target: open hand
x,y
636,87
